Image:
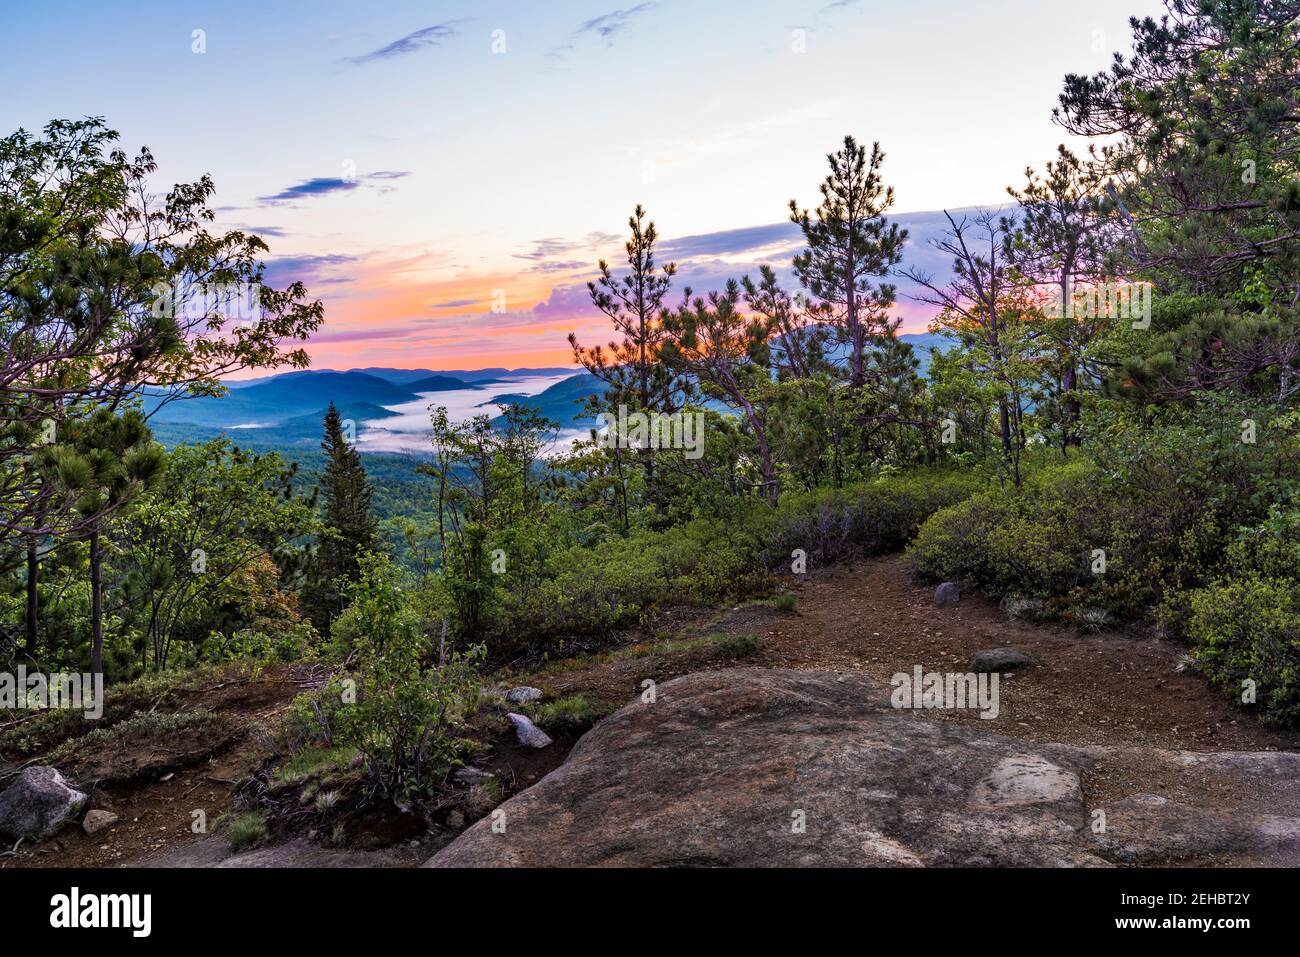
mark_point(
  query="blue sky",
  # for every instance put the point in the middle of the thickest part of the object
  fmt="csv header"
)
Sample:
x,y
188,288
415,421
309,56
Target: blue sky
x,y
408,160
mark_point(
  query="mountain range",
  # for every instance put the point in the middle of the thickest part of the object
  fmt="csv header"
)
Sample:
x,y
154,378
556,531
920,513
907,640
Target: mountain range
x,y
285,410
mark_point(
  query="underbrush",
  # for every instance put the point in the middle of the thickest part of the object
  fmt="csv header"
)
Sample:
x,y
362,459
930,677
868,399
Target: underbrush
x,y
596,590
34,733
1176,524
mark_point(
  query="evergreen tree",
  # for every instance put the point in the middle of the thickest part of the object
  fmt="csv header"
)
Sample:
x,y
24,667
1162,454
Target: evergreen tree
x,y
851,247
350,529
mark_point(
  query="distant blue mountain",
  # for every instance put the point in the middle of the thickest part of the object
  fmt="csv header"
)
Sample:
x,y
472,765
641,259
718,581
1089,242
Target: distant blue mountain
x,y
439,383
279,398
561,402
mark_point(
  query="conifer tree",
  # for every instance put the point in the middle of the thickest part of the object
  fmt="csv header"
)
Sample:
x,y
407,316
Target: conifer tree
x,y
851,248
350,529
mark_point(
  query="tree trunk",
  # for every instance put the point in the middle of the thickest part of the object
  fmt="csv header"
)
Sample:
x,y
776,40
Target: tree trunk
x,y
96,607
33,596
1072,409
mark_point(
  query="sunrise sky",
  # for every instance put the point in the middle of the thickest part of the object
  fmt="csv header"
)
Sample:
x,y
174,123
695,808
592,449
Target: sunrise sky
x,y
408,159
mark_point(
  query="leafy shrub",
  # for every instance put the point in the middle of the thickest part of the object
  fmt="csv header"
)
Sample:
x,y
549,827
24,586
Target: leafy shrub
x,y
834,525
397,713
1250,629
1163,499
1036,541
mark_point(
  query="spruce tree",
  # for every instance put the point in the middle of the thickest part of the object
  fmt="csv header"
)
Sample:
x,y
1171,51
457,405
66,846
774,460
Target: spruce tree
x,y
350,529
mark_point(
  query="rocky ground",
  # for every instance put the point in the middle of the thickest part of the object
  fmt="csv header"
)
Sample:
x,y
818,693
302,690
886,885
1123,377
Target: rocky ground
x,y
1097,722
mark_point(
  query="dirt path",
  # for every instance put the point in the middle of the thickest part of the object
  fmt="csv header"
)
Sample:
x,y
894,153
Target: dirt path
x,y
156,809
1109,688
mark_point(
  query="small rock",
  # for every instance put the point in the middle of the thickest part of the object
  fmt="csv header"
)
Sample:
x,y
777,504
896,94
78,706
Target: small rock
x,y
529,735
947,594
98,819
523,695
999,659
470,776
38,804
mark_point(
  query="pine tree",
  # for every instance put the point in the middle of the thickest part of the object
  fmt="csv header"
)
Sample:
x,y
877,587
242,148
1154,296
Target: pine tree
x,y
350,529
851,248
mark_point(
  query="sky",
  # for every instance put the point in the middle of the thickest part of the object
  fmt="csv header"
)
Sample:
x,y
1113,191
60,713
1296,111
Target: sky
x,y
444,176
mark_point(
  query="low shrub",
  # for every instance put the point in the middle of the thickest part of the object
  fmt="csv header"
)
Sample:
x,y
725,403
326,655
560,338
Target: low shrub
x,y
835,525
1249,630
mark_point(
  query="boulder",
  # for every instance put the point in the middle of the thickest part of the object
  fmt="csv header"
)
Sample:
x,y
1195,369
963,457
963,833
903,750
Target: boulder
x,y
754,767
96,820
999,659
523,695
38,803
529,735
948,593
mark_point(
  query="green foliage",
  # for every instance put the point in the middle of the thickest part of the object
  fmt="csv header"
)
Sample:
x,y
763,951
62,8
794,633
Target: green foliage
x,y
349,529
395,708
571,715
245,830
834,525
1248,629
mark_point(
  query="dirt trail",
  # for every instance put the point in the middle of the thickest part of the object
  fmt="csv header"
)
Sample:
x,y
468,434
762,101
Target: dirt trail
x,y
156,812
1108,688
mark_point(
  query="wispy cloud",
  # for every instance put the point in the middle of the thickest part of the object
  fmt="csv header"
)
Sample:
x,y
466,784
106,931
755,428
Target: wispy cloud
x,y
324,185
606,26
317,186
312,270
411,43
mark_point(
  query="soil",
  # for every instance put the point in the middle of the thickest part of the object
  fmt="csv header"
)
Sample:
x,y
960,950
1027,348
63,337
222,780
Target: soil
x,y
1112,689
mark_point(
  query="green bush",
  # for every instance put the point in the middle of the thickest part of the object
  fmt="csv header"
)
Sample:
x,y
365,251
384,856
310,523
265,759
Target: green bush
x,y
1036,541
399,714
835,525
1249,629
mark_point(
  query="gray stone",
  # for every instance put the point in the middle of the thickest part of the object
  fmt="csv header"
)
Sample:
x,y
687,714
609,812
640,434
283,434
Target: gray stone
x,y
756,767
999,659
529,735
947,593
96,820
38,804
523,695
